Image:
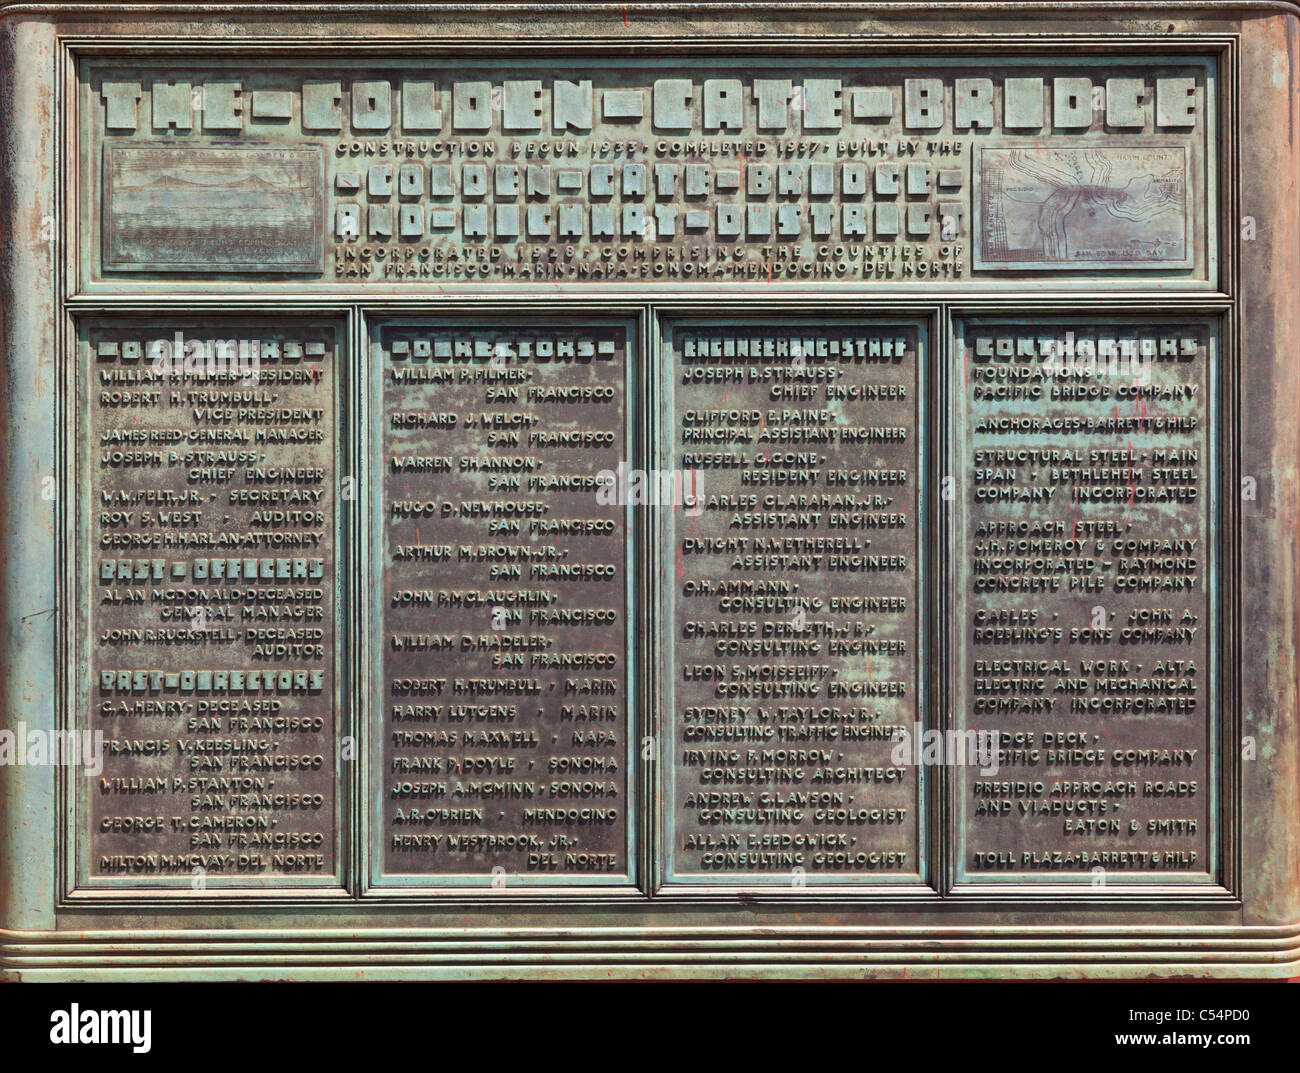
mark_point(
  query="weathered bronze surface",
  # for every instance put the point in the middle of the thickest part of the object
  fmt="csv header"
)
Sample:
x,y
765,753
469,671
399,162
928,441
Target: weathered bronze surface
x,y
776,169
736,490
168,208
210,591
1086,598
503,602
796,601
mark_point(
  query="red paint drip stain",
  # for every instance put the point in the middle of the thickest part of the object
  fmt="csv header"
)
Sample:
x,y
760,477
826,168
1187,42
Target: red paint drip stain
x,y
623,8
1132,488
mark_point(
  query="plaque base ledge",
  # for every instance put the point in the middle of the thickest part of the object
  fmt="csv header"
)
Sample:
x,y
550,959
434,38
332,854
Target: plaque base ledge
x,y
662,953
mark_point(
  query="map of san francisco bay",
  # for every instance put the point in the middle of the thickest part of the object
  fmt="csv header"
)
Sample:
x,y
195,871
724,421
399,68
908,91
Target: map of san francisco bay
x,y
1096,207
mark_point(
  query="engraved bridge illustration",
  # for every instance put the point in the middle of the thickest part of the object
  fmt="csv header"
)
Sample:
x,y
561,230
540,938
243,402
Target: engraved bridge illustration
x,y
1096,207
203,209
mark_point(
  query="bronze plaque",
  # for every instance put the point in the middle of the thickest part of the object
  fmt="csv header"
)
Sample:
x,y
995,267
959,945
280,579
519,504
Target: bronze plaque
x,y
795,621
502,531
1105,207
762,169
1086,598
210,584
731,490
174,208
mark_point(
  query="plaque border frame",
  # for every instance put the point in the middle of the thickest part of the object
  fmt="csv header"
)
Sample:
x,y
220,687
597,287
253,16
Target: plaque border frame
x,y
43,939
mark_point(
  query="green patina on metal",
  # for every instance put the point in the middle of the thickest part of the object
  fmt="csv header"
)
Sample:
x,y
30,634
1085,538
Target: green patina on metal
x,y
683,491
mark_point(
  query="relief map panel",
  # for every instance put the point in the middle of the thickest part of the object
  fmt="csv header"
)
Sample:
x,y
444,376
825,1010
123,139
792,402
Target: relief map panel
x,y
1105,207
